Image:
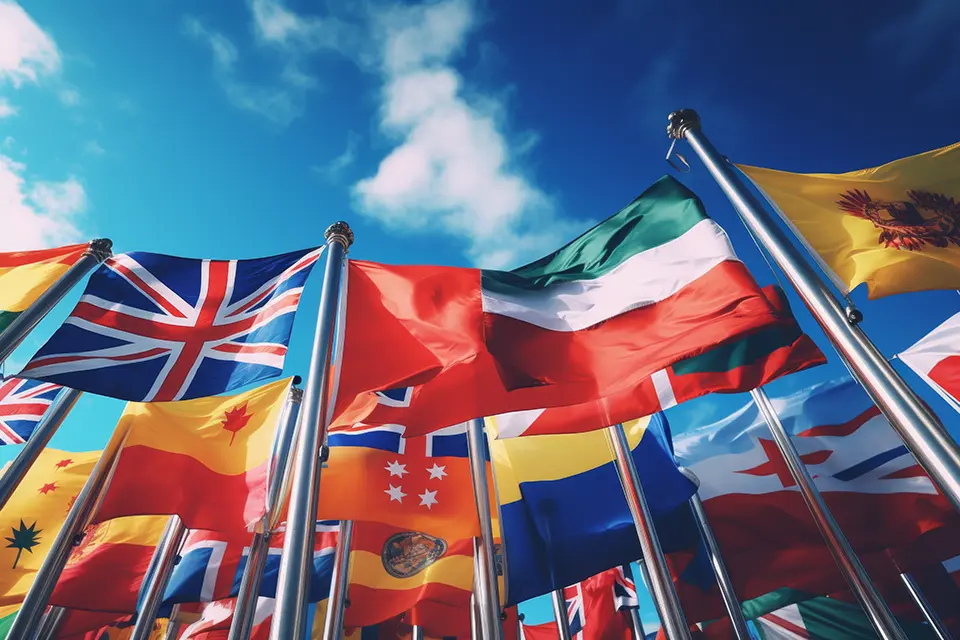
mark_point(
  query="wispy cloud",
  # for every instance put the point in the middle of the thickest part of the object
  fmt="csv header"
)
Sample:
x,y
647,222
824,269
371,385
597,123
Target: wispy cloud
x,y
7,109
69,97
93,148
333,169
27,52
38,214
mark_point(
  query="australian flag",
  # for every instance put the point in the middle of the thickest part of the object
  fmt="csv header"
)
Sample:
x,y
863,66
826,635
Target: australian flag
x,y
152,328
23,404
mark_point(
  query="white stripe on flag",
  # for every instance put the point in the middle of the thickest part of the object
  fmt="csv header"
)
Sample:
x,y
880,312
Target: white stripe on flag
x,y
661,382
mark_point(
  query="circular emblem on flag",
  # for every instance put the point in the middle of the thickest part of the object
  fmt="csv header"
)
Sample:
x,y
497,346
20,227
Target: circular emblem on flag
x,y
926,218
408,553
91,537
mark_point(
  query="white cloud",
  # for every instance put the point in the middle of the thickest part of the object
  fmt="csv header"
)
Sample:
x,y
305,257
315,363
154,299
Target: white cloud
x,y
26,51
276,25
37,214
69,97
93,148
7,109
335,167
453,169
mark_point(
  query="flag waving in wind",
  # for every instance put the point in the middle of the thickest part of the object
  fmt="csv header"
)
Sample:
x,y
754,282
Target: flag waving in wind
x,y
23,404
153,328
25,275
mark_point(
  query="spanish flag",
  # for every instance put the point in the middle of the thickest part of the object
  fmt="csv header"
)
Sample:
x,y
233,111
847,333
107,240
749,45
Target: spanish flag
x,y
32,517
24,275
205,460
895,227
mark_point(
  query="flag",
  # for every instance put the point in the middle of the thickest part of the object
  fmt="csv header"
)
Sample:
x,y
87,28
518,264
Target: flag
x,y
23,404
895,227
732,367
826,619
393,571
106,569
936,358
216,618
212,564
542,631
653,284
25,275
98,626
422,484
31,519
624,588
562,509
593,611
205,460
154,328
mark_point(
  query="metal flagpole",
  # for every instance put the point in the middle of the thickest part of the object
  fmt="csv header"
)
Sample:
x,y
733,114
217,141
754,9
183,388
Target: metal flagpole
x,y
164,559
339,583
474,609
489,591
560,614
173,624
843,554
31,609
36,442
638,631
51,621
656,573
936,624
729,594
278,487
920,429
290,619
11,337
416,633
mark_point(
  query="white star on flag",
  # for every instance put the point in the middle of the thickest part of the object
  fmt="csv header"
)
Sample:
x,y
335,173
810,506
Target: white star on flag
x,y
428,498
396,469
437,471
395,493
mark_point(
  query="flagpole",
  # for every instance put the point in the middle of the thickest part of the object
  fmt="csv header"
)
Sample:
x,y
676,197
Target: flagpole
x,y
489,592
416,633
475,633
920,429
278,487
931,615
729,594
339,583
11,337
164,559
657,574
28,617
48,426
638,632
560,614
173,624
50,622
843,554
290,619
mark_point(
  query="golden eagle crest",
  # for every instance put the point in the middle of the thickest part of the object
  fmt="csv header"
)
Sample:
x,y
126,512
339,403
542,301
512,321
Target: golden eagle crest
x,y
408,553
926,218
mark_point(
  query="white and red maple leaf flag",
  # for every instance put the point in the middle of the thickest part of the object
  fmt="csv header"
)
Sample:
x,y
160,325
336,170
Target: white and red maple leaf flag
x,y
936,359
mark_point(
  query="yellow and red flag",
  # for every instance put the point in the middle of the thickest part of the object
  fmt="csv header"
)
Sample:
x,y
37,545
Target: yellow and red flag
x,y
895,227
32,517
24,275
204,460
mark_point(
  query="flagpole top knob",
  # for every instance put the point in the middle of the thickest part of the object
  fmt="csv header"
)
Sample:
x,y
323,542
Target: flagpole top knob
x,y
680,121
340,232
690,475
101,248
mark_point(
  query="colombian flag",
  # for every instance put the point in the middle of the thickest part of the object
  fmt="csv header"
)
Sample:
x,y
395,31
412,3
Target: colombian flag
x,y
24,275
205,460
895,227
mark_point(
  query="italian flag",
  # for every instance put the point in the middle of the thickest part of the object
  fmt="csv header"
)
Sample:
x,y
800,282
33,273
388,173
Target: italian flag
x,y
656,283
936,359
24,275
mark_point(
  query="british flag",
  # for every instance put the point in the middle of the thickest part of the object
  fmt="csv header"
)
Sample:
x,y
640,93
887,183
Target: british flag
x,y
152,327
23,404
449,442
575,611
624,588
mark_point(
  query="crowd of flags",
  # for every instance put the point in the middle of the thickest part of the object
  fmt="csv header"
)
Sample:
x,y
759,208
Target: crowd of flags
x,y
646,310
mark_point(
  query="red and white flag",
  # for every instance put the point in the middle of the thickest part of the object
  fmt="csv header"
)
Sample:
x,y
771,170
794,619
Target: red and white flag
x,y
936,359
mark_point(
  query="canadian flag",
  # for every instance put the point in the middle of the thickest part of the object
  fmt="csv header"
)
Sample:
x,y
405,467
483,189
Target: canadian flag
x,y
936,359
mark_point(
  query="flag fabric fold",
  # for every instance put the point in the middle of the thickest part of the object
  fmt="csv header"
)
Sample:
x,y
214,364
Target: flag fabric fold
x,y
653,284
25,275
23,403
936,358
593,611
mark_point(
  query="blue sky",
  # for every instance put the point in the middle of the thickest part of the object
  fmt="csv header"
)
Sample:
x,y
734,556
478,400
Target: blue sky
x,y
454,132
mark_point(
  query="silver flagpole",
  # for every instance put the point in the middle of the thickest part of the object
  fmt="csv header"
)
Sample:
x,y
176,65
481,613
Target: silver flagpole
x,y
11,337
51,621
920,429
475,633
416,633
843,554
489,592
638,631
936,624
339,582
290,619
164,559
560,614
48,426
729,594
173,625
657,574
278,486
25,625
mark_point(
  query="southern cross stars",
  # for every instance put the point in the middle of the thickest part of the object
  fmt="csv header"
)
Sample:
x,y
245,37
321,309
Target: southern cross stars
x,y
395,493
428,498
436,471
396,469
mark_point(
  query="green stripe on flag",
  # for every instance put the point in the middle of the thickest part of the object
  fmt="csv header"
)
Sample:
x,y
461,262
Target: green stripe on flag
x,y
6,317
660,214
740,353
5,623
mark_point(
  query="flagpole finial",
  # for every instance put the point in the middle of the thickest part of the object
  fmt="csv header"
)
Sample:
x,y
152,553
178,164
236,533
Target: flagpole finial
x,y
690,475
101,248
680,121
340,232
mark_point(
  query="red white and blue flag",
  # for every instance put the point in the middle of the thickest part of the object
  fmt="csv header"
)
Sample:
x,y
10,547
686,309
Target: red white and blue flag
x,y
573,596
23,404
151,327
624,588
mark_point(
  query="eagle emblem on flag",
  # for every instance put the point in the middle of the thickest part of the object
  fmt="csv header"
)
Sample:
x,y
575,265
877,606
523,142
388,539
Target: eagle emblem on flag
x,y
924,218
408,553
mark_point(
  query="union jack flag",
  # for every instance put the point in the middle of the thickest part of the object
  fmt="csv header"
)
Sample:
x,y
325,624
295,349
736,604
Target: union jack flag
x,y
449,442
151,327
573,596
23,404
624,588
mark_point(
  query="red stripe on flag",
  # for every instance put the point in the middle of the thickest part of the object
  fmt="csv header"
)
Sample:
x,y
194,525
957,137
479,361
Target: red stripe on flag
x,y
844,429
107,578
946,373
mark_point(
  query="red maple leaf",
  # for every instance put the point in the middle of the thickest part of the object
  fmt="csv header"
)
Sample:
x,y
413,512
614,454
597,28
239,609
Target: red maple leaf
x,y
47,488
63,463
236,419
